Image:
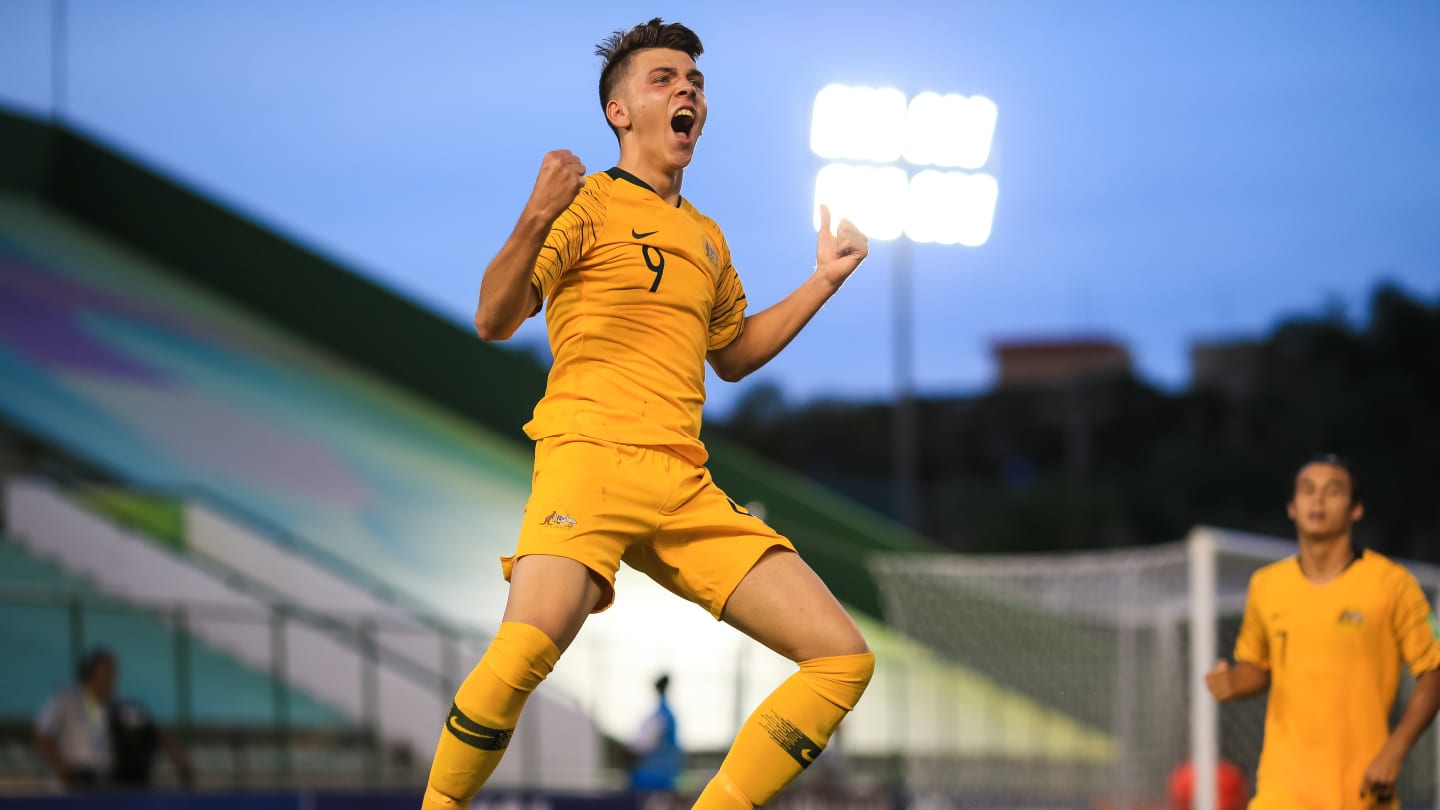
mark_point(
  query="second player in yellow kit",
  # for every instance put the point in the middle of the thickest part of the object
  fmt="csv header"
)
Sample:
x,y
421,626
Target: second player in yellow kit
x,y
1325,632
1334,654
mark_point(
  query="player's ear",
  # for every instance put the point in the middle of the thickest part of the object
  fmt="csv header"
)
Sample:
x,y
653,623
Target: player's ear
x,y
1290,509
1356,512
617,114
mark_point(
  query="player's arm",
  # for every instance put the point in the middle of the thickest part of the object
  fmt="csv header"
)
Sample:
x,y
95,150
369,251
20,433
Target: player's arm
x,y
1241,681
1251,673
507,296
767,332
1424,702
1414,629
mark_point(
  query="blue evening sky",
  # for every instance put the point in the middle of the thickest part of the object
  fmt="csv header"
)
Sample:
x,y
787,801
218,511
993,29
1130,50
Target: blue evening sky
x,y
1167,171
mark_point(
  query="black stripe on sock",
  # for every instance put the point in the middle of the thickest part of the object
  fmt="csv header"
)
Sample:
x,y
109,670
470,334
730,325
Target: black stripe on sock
x,y
475,735
801,748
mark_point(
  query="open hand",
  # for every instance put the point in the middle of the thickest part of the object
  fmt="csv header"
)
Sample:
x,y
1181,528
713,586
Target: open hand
x,y
838,254
560,179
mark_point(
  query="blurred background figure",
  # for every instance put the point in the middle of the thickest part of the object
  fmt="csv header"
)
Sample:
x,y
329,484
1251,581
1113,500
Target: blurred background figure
x,y
1232,790
73,732
660,759
135,739
91,739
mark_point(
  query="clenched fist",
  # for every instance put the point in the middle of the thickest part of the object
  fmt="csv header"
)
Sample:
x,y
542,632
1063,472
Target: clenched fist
x,y
560,179
1380,778
1217,680
838,254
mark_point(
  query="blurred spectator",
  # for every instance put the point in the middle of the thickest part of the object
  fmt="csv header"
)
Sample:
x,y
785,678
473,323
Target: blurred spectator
x,y
136,738
657,747
90,739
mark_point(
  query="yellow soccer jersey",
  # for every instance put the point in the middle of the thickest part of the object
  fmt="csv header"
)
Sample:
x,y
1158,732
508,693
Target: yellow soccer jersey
x,y
1333,652
636,293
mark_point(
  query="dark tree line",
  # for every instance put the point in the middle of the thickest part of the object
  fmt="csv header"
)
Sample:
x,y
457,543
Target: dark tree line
x,y
1117,462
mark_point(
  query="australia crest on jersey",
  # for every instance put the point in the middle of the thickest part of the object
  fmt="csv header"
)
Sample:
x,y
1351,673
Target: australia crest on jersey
x,y
1352,618
711,253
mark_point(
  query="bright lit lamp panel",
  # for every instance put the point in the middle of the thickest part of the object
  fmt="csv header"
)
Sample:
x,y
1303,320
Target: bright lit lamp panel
x,y
878,126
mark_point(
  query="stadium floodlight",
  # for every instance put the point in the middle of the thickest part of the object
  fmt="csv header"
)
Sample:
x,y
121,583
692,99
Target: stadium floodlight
x,y
951,208
872,197
951,130
877,126
858,123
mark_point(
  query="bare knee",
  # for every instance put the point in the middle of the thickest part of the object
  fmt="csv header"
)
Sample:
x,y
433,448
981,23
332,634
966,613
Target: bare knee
x,y
839,636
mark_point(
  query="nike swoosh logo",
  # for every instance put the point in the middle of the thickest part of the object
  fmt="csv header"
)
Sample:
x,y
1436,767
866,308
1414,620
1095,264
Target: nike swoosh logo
x,y
459,731
807,754
475,735
639,235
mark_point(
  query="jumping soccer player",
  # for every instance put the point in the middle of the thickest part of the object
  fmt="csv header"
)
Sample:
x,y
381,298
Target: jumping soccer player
x,y
1324,631
639,293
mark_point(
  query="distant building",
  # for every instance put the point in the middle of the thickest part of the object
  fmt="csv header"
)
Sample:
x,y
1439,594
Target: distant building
x,y
1228,366
1059,363
1059,371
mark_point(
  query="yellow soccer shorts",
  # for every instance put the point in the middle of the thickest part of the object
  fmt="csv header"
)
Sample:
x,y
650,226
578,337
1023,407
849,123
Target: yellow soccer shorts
x,y
597,503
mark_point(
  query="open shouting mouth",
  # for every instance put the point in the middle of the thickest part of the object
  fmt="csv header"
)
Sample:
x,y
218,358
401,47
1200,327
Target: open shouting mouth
x,y
683,124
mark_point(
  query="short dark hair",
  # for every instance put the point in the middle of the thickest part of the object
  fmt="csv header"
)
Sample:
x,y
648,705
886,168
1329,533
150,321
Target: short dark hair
x,y
617,49
1337,460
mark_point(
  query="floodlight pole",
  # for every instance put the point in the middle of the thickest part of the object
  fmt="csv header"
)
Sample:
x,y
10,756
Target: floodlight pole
x,y
904,423
885,140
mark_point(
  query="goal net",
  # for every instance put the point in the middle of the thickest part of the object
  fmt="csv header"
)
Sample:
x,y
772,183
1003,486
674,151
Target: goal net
x,y
1103,638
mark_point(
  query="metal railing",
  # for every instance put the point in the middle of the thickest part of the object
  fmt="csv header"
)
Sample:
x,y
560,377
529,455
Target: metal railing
x,y
258,714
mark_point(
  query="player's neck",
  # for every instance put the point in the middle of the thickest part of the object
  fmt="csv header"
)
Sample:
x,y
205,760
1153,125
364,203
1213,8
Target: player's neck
x,y
664,180
1322,559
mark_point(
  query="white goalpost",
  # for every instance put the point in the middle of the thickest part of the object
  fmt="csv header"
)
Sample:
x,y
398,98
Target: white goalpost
x,y
1117,642
1204,714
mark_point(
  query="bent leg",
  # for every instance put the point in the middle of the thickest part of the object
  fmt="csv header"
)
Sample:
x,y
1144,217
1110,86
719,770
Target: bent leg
x,y
550,597
784,605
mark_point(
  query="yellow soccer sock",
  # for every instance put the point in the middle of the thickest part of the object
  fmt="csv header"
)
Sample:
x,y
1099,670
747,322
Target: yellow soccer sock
x,y
787,731
487,707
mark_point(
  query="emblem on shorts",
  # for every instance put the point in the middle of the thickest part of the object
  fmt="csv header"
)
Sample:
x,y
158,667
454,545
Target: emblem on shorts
x,y
560,519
